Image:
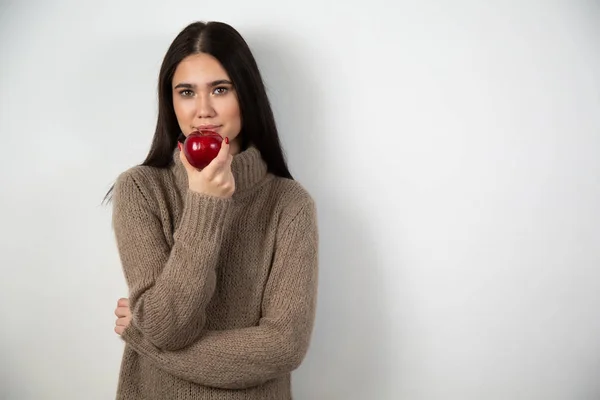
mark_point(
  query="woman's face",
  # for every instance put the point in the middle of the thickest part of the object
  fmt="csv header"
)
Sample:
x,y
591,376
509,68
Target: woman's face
x,y
204,98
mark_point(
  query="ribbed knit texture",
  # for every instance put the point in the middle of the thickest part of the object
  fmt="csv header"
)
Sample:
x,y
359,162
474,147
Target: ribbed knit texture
x,y
222,291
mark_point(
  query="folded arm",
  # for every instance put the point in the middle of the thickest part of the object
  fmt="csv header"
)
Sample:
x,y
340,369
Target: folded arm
x,y
170,287
241,358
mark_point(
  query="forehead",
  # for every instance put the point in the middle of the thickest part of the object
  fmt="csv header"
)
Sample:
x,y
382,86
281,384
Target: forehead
x,y
199,69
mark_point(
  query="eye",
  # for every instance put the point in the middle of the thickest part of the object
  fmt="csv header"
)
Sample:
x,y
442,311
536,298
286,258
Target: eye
x,y
220,90
186,93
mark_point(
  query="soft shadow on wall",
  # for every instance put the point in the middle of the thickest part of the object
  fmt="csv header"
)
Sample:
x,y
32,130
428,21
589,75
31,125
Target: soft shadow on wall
x,y
349,354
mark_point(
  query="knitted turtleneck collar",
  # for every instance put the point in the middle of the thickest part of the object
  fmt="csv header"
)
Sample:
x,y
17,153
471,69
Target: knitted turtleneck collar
x,y
248,169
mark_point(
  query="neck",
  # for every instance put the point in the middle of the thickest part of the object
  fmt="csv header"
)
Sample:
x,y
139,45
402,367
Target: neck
x,y
248,168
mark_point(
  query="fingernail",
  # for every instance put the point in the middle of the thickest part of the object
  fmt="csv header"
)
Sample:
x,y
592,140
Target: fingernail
x,y
226,140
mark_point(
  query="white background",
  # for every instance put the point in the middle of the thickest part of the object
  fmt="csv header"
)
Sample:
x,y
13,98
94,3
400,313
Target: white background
x,y
452,149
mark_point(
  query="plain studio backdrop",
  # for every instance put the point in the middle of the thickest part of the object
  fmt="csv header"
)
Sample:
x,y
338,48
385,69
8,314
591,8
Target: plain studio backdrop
x,y
452,149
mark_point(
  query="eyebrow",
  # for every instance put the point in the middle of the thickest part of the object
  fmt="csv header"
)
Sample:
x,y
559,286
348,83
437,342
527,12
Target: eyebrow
x,y
210,84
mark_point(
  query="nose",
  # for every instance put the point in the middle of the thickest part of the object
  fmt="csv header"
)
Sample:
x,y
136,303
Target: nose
x,y
204,108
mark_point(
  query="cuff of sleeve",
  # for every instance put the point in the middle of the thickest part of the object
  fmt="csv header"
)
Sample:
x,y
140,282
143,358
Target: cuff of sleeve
x,y
203,216
133,337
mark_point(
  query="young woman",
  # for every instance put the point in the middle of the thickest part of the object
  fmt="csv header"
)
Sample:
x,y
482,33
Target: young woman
x,y
221,263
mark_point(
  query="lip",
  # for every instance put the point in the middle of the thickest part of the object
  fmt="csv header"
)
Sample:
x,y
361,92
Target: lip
x,y
213,128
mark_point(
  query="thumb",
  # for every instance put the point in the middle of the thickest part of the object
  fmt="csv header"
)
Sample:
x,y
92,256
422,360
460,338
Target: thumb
x,y
184,159
224,151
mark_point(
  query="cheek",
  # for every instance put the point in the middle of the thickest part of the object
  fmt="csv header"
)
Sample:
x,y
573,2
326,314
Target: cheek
x,y
183,109
233,111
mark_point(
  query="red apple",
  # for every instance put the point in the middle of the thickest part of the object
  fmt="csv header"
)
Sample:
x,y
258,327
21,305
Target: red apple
x,y
200,148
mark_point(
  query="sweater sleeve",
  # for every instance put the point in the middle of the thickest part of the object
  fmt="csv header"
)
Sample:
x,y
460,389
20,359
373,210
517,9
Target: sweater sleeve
x,y
242,358
169,287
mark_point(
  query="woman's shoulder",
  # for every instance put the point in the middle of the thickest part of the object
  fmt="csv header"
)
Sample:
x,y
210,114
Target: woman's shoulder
x,y
139,182
293,196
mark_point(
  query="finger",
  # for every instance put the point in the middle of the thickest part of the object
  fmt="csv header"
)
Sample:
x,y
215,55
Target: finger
x,y
119,309
123,302
219,162
229,161
224,150
119,330
185,161
122,312
124,321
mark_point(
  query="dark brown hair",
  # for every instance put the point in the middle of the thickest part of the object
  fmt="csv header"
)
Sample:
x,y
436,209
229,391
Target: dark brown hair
x,y
223,42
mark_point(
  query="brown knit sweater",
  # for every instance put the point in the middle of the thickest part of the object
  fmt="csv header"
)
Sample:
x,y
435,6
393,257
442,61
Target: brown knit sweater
x,y
222,291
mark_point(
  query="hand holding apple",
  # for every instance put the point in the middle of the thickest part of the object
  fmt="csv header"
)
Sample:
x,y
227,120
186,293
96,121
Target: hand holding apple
x,y
214,179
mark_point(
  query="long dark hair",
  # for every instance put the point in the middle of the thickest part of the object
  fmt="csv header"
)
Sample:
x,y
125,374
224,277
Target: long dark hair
x,y
223,42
